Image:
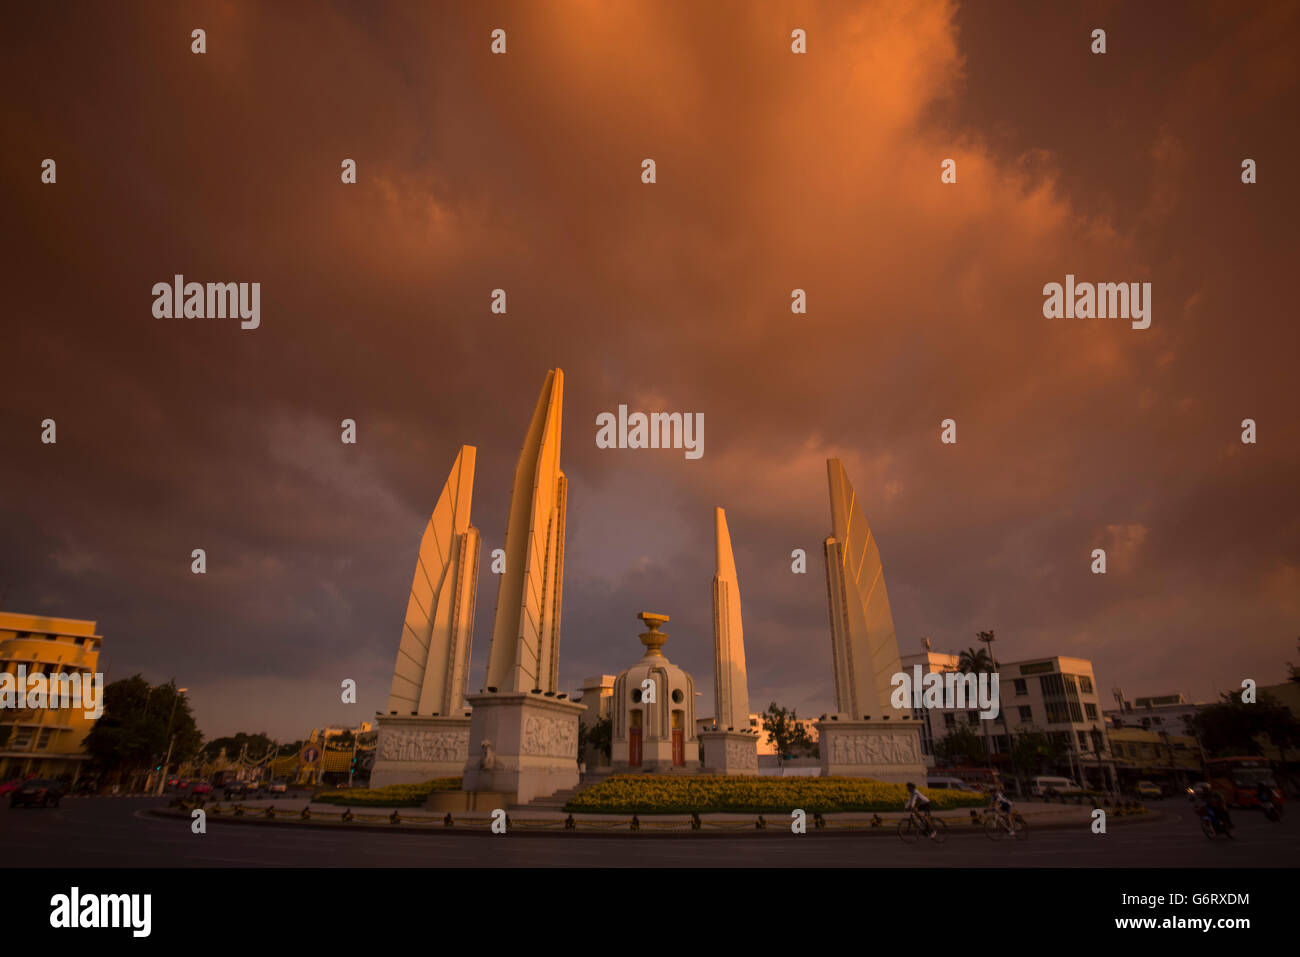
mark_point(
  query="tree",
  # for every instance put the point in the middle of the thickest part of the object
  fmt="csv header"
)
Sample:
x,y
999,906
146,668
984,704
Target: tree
x,y
1294,669
597,739
1033,749
132,733
1232,727
979,661
959,746
787,733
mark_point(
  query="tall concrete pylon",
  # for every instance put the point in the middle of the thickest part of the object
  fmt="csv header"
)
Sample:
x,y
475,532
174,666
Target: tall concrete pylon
x,y
864,648
730,680
433,656
525,652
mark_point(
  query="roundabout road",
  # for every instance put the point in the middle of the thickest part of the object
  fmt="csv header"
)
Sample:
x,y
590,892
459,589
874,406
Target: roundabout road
x,y
119,832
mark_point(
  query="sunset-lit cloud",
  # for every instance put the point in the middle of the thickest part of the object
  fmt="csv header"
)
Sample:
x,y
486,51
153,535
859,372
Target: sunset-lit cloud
x,y
775,172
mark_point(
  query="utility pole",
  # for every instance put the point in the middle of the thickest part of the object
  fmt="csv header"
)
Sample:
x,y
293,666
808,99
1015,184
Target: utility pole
x,y
171,740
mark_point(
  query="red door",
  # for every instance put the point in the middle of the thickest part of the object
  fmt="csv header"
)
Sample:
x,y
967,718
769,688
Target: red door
x,y
679,748
634,747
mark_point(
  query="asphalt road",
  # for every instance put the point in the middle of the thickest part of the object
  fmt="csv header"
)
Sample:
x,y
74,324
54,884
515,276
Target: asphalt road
x,y
117,832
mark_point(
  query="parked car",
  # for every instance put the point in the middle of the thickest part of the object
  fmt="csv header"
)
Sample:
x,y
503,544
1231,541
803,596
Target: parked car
x,y
277,787
1148,789
8,787
201,787
236,789
42,791
1044,786
955,784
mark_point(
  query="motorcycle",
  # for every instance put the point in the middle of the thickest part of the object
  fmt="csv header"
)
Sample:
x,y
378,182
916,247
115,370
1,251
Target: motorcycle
x,y
1213,824
1272,810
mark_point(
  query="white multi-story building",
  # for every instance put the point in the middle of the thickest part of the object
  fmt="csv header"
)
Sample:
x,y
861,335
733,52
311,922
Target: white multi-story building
x,y
1169,713
1056,696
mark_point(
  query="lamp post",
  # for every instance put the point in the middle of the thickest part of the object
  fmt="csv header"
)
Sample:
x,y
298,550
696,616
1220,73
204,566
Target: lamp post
x,y
1097,740
162,778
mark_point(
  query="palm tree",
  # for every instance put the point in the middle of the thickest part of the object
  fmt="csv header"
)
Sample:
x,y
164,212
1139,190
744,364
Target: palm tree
x,y
978,661
974,661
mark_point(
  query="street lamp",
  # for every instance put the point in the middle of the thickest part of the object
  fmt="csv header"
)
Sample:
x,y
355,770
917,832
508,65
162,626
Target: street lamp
x,y
162,778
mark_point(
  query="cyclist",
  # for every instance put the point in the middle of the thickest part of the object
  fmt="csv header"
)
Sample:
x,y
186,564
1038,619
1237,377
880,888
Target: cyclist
x,y
1002,805
919,805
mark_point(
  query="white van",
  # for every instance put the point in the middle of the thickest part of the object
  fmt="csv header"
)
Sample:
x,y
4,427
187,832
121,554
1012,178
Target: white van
x,y
1041,785
956,784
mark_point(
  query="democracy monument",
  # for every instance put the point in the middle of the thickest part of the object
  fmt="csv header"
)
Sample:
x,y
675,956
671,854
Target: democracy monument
x,y
517,739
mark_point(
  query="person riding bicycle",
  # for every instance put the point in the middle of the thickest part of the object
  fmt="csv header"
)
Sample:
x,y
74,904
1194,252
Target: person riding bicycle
x,y
919,804
1002,803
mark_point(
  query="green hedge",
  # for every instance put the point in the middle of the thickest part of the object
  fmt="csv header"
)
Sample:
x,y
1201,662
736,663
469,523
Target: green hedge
x,y
395,795
671,794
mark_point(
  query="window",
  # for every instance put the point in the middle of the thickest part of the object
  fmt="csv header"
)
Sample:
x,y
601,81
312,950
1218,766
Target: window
x,y
1090,710
1083,740
44,738
21,740
1085,684
948,720
973,717
1026,713
1022,686
1061,696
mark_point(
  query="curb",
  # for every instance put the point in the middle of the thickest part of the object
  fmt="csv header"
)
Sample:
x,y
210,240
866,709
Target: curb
x,y
869,833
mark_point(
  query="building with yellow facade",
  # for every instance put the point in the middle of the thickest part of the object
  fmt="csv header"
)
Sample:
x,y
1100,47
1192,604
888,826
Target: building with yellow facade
x,y
45,742
1143,754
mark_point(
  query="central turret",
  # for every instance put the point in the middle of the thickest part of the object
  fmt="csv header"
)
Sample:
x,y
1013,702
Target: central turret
x,y
653,709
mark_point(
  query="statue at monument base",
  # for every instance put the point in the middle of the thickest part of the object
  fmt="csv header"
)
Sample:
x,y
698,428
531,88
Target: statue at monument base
x,y
886,750
417,748
730,752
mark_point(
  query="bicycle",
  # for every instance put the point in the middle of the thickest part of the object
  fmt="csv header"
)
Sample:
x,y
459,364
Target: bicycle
x,y
911,828
1000,823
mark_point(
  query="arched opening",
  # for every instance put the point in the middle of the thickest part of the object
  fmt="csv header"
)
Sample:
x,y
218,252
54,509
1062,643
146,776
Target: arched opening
x,y
679,738
634,738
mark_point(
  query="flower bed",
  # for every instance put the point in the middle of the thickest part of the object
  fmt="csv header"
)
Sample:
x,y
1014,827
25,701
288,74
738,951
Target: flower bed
x,y
671,794
395,795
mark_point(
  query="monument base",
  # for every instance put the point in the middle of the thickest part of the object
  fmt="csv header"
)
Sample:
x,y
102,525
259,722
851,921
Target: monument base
x,y
523,746
884,750
467,801
417,748
730,752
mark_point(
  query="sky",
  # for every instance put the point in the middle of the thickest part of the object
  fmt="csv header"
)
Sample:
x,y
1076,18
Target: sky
x,y
774,171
